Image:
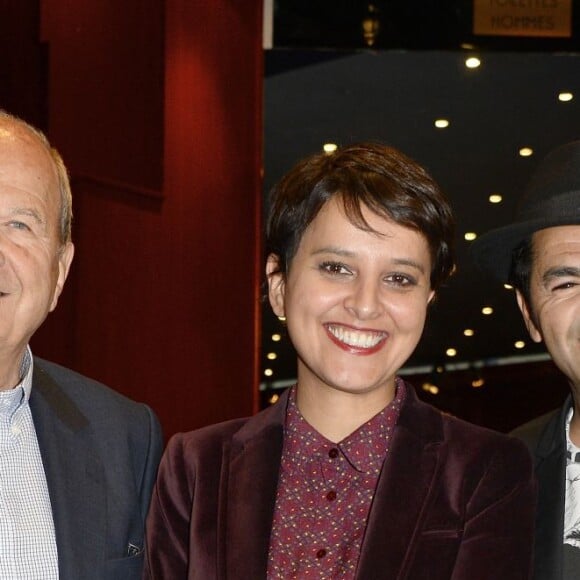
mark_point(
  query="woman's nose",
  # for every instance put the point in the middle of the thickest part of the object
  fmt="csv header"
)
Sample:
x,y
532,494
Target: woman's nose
x,y
364,301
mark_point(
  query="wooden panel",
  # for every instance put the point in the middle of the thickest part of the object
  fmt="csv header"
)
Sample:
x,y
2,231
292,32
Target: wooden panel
x,y
106,72
165,288
23,62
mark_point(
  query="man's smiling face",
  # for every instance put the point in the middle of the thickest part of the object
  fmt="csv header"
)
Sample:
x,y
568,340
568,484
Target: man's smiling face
x,y
555,297
33,262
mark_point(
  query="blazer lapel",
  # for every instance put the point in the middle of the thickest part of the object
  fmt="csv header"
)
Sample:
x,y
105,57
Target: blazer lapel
x,y
551,476
248,494
74,475
250,478
403,491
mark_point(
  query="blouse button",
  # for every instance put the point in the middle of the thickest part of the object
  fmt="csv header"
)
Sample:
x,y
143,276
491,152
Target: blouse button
x,y
331,495
333,453
321,553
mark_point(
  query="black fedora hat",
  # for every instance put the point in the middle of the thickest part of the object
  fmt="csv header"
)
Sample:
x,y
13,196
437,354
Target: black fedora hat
x,y
551,198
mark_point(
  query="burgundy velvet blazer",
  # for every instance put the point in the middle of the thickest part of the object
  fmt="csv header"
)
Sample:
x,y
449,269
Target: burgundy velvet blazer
x,y
454,501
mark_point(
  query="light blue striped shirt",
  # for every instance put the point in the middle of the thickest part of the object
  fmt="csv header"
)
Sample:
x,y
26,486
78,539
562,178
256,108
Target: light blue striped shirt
x,y
27,540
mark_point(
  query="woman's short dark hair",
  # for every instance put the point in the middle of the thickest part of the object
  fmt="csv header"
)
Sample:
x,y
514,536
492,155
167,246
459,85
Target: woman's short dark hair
x,y
369,175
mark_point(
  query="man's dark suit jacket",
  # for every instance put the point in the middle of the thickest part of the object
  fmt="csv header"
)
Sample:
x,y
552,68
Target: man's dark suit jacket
x,y
546,438
100,453
454,501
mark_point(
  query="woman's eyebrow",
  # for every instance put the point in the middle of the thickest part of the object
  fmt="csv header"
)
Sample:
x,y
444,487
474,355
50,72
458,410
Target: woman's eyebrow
x,y
334,250
411,263
348,254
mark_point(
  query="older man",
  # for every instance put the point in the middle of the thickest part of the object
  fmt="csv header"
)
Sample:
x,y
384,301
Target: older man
x,y
77,460
539,254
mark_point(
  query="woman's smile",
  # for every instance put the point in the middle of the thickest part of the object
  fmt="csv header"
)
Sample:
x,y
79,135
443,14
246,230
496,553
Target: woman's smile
x,y
356,340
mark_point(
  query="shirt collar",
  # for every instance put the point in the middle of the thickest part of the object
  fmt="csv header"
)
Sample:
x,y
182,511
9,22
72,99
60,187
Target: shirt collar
x,y
364,449
16,398
572,452
26,368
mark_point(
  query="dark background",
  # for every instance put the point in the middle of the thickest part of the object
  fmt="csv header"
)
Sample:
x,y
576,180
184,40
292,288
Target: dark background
x,y
174,122
324,84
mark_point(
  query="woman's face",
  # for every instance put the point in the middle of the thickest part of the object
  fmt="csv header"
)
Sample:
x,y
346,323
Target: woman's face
x,y
355,302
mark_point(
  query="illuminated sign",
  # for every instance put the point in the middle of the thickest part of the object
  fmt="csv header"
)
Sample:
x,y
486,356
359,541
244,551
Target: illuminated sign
x,y
549,18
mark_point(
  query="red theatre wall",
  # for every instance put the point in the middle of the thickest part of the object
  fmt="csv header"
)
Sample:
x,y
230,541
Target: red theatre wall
x,y
156,108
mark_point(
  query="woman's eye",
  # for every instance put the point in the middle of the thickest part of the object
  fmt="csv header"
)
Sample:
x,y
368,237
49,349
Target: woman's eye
x,y
334,268
400,280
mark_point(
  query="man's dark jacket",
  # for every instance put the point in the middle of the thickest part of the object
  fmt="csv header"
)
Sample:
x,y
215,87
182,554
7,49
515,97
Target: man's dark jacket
x,y
100,453
546,438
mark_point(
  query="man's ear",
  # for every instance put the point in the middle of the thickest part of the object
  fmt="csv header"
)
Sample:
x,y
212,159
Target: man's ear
x,y
533,330
276,284
65,258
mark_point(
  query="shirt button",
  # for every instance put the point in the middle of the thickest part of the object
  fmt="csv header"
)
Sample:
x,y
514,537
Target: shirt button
x,y
331,495
333,453
321,553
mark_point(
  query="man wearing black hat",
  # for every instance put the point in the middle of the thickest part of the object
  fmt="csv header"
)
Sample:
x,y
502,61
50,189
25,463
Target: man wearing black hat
x,y
539,254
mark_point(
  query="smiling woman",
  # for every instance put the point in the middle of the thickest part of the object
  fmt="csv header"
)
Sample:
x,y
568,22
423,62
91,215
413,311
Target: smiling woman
x,y
355,302
348,475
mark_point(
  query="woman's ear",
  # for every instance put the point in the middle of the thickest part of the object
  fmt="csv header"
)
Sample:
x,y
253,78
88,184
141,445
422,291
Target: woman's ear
x,y
431,296
276,284
533,330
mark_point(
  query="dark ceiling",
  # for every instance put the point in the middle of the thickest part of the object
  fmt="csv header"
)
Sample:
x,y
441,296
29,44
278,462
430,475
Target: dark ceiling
x,y
421,24
314,96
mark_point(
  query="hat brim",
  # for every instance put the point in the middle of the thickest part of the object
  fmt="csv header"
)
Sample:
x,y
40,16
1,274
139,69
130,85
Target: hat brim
x,y
492,251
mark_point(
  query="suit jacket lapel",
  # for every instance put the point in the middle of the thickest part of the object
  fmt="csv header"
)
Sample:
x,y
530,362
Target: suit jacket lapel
x,y
403,490
74,475
250,478
551,474
248,494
